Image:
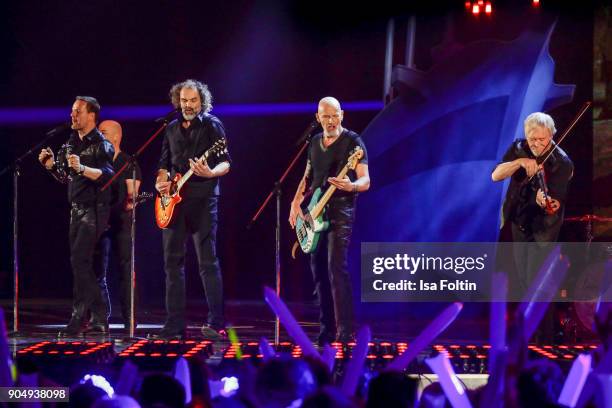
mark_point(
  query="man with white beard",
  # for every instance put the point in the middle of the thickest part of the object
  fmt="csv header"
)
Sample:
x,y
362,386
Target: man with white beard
x,y
327,154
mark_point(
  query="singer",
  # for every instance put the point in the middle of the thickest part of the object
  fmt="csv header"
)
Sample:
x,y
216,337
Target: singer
x,y
90,167
327,154
185,142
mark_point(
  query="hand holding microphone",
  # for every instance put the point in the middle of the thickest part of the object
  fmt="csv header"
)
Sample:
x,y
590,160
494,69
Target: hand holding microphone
x,y
74,162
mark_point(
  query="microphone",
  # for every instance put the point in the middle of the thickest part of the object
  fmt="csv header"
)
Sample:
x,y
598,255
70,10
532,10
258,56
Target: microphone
x,y
168,117
306,134
69,151
58,129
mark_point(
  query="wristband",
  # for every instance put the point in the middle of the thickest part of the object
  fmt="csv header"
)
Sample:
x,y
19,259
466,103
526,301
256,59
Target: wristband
x,y
81,169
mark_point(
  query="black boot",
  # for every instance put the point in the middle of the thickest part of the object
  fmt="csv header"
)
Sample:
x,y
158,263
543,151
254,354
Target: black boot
x,y
77,323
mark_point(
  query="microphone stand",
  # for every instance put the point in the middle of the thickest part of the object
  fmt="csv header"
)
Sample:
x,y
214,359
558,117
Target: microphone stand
x,y
276,191
15,167
132,162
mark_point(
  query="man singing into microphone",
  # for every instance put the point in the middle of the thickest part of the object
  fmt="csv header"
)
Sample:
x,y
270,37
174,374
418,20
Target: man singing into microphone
x,y
91,166
327,154
184,143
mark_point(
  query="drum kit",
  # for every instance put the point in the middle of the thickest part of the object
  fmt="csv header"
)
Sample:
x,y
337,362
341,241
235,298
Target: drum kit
x,y
579,322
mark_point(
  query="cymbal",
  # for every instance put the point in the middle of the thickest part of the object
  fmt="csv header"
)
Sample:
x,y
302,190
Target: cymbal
x,y
589,218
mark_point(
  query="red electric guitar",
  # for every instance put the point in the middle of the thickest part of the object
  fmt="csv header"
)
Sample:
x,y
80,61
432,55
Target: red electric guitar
x,y
164,204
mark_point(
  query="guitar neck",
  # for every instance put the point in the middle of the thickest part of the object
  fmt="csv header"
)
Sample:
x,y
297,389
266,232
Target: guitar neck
x,y
318,209
189,173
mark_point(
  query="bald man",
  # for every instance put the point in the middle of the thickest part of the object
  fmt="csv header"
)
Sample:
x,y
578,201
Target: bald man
x,y
327,155
118,239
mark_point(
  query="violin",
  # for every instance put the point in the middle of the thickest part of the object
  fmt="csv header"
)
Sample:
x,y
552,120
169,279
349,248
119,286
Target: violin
x,y
541,178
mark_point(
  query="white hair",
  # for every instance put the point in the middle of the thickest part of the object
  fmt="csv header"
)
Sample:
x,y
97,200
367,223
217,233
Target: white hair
x,y
539,119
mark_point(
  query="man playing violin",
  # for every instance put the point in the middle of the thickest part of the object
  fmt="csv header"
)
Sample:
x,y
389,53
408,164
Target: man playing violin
x,y
535,200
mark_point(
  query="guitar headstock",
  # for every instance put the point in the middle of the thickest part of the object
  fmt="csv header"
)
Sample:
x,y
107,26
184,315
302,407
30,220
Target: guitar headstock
x,y
356,155
218,148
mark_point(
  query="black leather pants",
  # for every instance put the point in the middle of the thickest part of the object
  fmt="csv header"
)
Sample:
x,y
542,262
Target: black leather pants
x,y
330,270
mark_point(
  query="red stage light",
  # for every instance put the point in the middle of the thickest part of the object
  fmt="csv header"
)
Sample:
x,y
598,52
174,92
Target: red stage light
x,y
475,9
468,5
488,8
535,3
480,356
568,356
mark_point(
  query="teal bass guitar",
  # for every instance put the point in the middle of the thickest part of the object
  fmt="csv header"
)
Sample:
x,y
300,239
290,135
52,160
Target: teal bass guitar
x,y
309,228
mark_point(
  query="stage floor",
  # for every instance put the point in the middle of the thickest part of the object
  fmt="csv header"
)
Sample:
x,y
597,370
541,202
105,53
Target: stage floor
x,y
42,319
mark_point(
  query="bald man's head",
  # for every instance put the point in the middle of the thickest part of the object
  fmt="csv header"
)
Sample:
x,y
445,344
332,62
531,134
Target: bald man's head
x,y
111,131
330,115
330,101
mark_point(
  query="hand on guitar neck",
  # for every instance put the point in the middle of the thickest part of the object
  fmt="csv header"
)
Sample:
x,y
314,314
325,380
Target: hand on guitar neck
x,y
200,168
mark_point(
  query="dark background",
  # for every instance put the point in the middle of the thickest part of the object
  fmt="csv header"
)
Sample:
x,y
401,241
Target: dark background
x,y
247,52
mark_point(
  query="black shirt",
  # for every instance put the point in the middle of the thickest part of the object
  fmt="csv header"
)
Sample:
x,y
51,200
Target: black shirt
x,y
520,205
180,144
96,152
327,162
119,187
